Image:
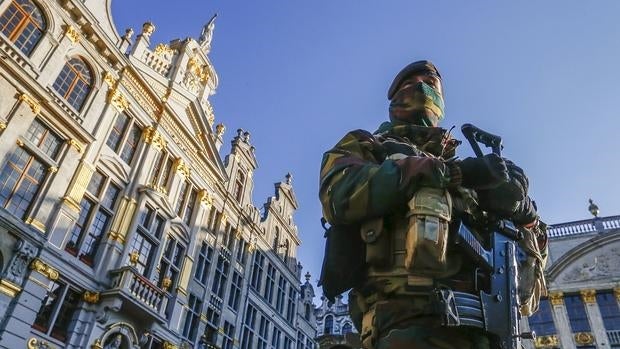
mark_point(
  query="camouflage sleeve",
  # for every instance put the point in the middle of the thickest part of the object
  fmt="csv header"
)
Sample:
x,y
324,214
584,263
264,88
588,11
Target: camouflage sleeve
x,y
357,182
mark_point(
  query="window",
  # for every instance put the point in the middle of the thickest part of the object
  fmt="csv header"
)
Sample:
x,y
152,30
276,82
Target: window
x,y
270,283
74,82
212,219
242,252
239,183
329,325
608,306
542,320
23,24
577,315
281,295
248,328
56,312
288,342
263,332
275,337
308,311
213,322
170,264
229,333
24,172
347,328
186,201
146,239
192,318
228,237
309,344
234,296
96,212
205,256
257,271
286,251
221,275
124,138
301,339
163,169
292,301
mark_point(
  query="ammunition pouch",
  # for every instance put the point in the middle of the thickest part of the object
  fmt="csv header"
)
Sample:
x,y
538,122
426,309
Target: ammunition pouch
x,y
344,264
426,241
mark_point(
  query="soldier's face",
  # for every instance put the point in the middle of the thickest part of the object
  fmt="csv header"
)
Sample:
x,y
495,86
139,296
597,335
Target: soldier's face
x,y
418,100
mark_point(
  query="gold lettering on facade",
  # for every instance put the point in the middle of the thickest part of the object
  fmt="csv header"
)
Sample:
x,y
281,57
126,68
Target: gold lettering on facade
x,y
153,137
72,34
556,298
44,269
34,105
182,168
9,288
36,224
588,296
117,99
90,297
75,144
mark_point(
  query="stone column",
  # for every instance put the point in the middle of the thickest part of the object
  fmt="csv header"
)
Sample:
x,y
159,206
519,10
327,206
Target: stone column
x,y
596,320
560,317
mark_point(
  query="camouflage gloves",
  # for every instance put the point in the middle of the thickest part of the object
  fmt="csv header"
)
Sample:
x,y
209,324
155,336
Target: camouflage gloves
x,y
486,172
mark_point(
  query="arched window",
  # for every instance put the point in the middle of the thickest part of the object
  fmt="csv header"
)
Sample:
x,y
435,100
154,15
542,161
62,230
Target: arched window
x,y
347,328
329,324
307,311
239,183
23,23
74,82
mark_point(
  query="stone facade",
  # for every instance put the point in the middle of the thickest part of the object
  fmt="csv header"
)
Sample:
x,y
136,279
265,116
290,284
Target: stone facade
x,y
120,224
335,328
583,278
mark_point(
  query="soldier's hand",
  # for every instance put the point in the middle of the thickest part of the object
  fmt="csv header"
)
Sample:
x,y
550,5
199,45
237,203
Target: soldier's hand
x,y
504,200
486,172
525,212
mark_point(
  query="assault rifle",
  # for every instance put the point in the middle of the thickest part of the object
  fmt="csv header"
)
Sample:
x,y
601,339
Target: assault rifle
x,y
496,308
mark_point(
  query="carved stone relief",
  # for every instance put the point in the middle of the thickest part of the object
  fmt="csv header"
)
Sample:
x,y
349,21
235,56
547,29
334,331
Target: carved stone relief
x,y
18,266
593,267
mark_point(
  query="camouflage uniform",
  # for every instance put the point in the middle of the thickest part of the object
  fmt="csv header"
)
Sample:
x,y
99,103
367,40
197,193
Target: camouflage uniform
x,y
363,181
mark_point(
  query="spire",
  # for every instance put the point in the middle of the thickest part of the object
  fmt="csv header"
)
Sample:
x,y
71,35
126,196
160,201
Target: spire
x,y
288,178
593,208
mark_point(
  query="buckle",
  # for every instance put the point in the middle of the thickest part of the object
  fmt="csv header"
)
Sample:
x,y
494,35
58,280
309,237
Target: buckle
x,y
445,307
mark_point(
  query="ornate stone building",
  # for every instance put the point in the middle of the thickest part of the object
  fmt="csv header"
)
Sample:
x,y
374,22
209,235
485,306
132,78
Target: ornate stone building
x,y
120,224
335,329
583,278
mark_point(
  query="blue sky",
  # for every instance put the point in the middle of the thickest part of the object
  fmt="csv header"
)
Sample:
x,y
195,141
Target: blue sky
x,y
298,75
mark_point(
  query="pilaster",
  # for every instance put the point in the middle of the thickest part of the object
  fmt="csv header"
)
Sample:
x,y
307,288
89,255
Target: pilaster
x,y
595,317
560,318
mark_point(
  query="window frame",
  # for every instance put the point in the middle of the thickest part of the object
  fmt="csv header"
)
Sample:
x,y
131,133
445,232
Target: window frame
x,y
22,25
57,84
58,309
122,142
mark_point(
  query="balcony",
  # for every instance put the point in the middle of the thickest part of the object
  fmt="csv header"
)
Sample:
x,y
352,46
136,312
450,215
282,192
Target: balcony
x,y
584,226
138,293
614,338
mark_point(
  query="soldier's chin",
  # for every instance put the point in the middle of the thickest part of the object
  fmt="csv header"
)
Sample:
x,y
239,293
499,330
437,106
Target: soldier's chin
x,y
419,118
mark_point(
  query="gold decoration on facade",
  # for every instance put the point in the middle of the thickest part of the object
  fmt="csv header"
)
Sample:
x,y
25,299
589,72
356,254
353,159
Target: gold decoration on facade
x,y
37,224
163,49
133,257
224,218
44,269
201,71
584,338
9,288
122,219
90,297
19,142
52,169
556,298
72,34
97,344
78,186
109,79
75,144
181,167
617,293
588,296
166,282
117,99
152,136
220,129
205,198
34,343
148,28
2,125
546,341
169,345
34,105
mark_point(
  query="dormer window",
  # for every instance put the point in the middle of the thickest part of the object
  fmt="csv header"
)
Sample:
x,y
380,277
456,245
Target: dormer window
x,y
239,184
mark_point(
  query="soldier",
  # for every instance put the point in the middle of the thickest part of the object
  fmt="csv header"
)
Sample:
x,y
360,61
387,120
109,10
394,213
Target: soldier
x,y
400,188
